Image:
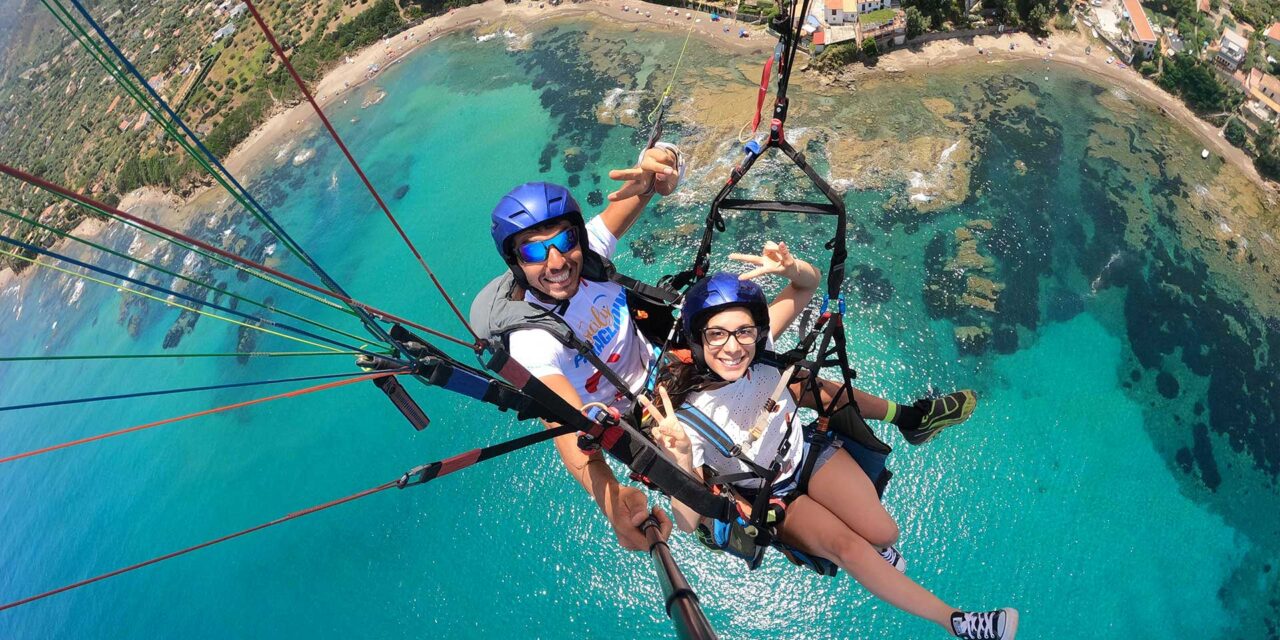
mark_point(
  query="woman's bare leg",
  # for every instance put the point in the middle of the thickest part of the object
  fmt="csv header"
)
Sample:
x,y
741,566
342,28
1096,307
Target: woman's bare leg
x,y
842,488
812,528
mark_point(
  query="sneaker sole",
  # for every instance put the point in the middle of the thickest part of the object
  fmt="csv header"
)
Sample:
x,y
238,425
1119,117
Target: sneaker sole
x,y
1011,623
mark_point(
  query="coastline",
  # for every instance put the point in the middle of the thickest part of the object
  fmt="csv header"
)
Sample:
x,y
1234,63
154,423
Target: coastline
x,y
1069,49
352,74
1065,48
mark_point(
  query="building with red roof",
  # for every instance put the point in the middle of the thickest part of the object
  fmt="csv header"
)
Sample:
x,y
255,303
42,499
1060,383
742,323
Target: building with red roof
x,y
1273,34
1142,35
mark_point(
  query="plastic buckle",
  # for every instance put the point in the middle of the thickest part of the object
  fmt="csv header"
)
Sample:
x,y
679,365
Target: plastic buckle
x,y
587,444
840,304
826,303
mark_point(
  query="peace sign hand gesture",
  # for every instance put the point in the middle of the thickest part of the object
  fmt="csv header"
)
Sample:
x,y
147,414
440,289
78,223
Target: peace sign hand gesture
x,y
657,171
667,432
774,258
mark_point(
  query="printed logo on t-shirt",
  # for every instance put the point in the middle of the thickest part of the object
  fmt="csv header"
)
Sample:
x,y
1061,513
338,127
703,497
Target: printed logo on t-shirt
x,y
593,383
605,324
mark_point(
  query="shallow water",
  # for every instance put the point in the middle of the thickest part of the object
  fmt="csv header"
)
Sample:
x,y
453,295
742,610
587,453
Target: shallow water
x,y
1080,492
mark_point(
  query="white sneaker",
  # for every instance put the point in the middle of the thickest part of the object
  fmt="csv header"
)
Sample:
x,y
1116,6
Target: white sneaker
x,y
1001,624
894,558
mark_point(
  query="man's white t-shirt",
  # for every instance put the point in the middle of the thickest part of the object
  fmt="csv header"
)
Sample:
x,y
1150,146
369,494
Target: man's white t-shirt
x,y
599,316
735,408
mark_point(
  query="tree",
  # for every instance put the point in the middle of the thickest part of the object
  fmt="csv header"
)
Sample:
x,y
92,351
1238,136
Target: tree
x,y
1009,12
1235,132
1194,81
869,48
917,23
1038,18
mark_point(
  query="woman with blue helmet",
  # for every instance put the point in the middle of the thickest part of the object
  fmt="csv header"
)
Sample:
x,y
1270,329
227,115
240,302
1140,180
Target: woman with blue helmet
x,y
835,512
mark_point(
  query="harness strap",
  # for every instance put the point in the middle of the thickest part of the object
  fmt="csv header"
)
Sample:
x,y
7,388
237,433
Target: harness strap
x,y
764,91
711,432
660,295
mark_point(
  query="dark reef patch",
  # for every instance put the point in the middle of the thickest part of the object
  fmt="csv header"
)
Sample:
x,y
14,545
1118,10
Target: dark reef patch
x,y
1202,450
871,284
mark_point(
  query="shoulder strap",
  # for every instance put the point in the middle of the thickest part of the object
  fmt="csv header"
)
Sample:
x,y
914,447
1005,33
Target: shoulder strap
x,y
711,432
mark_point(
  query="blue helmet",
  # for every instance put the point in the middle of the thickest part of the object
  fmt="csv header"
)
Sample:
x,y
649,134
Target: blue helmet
x,y
531,205
715,293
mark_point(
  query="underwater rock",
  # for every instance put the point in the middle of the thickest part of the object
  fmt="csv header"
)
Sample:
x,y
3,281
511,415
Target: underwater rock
x,y
595,198
1202,451
544,158
676,234
1005,339
981,294
872,284
378,94
246,342
620,107
967,256
1020,167
574,179
181,327
303,156
973,340
574,160
1167,385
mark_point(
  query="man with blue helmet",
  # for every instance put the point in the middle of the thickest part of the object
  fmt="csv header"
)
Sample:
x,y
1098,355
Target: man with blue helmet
x,y
563,319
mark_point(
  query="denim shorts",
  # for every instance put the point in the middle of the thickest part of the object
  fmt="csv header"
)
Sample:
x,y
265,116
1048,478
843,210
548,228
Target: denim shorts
x,y
826,450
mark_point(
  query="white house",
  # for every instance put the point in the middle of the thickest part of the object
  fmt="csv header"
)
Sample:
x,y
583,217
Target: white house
x,y
224,32
836,12
1231,50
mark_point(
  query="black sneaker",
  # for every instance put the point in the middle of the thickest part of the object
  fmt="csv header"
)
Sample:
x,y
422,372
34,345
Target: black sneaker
x,y
894,558
1001,624
940,413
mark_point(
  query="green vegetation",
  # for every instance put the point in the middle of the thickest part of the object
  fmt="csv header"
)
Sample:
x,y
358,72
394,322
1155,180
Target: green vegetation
x,y
1236,133
869,49
838,55
1194,81
62,119
1259,13
917,23
1038,19
1268,164
876,17
938,12
1186,18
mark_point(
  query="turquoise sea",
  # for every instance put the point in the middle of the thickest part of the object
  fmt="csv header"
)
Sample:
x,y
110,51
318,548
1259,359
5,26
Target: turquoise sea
x,y
1115,481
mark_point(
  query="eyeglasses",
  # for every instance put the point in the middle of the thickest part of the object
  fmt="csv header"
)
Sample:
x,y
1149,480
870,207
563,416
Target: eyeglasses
x,y
535,252
717,337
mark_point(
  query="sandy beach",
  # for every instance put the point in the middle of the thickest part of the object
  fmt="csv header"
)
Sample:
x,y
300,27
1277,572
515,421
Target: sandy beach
x,y
1066,48
363,68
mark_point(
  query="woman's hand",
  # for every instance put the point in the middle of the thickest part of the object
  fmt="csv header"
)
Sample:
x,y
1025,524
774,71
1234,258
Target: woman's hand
x,y
658,169
667,432
776,258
